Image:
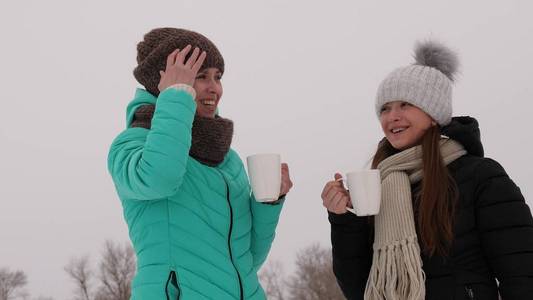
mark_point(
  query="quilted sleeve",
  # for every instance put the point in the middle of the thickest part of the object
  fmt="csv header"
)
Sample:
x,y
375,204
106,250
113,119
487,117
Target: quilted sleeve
x,y
148,164
264,222
351,242
506,227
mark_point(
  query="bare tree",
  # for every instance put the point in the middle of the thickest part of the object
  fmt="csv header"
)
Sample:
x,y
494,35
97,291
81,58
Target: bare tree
x,y
78,269
116,272
113,281
12,284
272,279
314,278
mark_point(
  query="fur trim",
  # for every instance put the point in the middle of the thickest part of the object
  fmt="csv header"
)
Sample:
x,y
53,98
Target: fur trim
x,y
436,55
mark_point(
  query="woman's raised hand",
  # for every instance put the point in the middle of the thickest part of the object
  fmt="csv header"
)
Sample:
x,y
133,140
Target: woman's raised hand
x,y
179,71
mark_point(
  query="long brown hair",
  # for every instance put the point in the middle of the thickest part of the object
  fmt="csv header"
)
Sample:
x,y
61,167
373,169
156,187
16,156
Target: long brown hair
x,y
434,203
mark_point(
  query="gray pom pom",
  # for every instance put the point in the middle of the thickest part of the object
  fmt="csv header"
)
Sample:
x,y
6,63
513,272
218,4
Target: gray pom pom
x,y
434,54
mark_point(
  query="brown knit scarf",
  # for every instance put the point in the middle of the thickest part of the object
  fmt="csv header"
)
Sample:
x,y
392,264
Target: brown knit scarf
x,y
211,137
396,272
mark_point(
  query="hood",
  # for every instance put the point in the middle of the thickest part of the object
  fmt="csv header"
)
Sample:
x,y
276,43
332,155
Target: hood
x,y
465,130
142,97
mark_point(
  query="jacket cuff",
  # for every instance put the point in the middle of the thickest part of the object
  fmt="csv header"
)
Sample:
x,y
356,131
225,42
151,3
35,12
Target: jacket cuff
x,y
280,200
346,218
265,212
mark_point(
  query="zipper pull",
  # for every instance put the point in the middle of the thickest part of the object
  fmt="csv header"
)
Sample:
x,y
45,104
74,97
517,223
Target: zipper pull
x,y
469,292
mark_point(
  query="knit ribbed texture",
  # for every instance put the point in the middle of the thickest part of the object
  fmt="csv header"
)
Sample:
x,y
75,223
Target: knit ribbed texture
x,y
153,50
211,137
425,87
396,272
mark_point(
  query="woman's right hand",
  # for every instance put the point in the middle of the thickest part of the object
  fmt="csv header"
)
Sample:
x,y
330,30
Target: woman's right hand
x,y
335,197
178,71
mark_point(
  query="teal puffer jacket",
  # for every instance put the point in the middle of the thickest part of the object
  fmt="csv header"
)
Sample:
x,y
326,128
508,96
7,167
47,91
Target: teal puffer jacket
x,y
197,231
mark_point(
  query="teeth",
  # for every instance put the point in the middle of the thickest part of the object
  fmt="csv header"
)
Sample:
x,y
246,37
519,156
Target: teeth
x,y
396,130
208,102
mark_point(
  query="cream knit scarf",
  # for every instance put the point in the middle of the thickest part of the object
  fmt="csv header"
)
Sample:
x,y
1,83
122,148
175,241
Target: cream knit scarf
x,y
396,272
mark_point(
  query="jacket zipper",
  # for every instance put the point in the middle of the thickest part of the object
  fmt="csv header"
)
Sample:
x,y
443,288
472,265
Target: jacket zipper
x,y
229,235
172,279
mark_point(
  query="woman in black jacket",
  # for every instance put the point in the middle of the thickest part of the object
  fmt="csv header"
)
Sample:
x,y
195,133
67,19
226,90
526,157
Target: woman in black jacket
x,y
452,224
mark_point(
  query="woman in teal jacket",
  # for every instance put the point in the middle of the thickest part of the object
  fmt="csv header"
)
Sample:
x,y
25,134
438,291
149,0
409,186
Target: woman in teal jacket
x,y
197,231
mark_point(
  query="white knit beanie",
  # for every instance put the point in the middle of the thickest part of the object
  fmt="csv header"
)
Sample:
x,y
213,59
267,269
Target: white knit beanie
x,y
426,84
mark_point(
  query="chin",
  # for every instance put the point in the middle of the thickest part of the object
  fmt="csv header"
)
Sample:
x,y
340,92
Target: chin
x,y
206,114
398,145
401,147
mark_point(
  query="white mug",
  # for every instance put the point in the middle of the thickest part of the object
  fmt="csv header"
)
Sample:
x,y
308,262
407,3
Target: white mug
x,y
264,171
365,192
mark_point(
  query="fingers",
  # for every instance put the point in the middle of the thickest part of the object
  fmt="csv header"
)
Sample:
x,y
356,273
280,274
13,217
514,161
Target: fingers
x,y
171,58
193,57
182,54
336,202
332,184
327,188
194,62
198,64
285,178
334,196
338,177
285,169
349,204
332,191
339,203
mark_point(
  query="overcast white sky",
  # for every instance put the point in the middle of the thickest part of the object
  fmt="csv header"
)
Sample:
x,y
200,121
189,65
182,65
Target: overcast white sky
x,y
300,80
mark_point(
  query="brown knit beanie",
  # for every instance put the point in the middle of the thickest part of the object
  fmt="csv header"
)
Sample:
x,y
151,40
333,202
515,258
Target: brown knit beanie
x,y
152,53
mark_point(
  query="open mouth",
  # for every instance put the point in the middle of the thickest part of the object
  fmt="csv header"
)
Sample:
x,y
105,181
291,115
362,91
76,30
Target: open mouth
x,y
208,102
398,130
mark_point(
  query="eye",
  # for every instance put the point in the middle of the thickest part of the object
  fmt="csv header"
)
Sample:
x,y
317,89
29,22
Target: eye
x,y
406,104
383,109
200,76
218,77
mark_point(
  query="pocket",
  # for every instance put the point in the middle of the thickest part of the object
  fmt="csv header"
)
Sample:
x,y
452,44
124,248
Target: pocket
x,y
172,288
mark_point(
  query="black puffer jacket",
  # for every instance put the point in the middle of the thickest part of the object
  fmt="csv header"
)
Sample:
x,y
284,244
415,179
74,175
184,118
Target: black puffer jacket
x,y
493,234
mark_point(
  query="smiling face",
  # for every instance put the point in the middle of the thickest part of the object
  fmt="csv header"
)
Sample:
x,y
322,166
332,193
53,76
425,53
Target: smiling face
x,y
208,89
404,124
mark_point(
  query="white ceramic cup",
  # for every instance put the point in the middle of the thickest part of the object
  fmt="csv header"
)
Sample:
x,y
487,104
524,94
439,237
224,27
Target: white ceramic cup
x,y
264,171
365,192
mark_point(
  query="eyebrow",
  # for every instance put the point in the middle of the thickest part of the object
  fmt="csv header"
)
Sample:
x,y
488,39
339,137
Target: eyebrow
x,y
204,71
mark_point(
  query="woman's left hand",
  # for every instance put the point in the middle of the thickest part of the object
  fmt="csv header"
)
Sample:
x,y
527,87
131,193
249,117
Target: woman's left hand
x,y
286,183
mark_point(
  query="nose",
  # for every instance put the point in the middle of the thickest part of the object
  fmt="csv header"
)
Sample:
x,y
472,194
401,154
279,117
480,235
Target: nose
x,y
211,86
394,114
